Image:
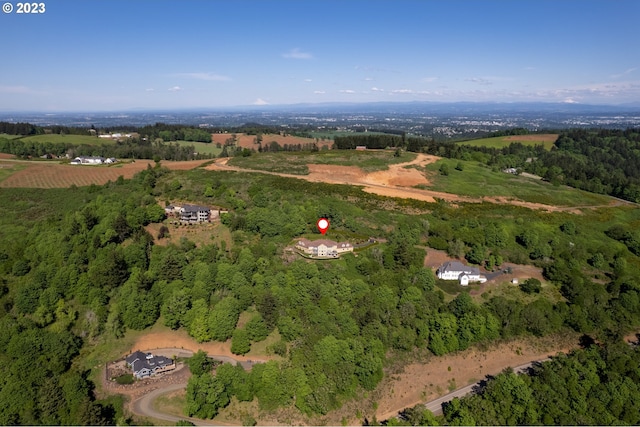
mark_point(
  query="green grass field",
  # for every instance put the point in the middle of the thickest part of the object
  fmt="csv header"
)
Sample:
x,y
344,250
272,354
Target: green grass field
x,y
7,169
504,141
478,180
68,139
202,147
7,136
296,162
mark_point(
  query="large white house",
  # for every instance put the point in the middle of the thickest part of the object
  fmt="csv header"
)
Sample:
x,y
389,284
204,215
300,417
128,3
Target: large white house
x,y
454,270
323,247
146,364
193,214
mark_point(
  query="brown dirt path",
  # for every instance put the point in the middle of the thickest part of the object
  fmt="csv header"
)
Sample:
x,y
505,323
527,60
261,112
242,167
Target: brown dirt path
x,y
181,340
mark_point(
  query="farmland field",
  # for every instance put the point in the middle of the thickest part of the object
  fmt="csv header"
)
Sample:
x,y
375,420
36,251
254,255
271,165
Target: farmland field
x,y
503,141
56,175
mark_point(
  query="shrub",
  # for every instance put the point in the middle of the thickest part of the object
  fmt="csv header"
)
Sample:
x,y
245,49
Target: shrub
x,y
125,379
531,286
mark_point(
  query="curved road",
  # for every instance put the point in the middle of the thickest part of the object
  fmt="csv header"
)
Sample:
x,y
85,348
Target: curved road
x,y
435,406
143,406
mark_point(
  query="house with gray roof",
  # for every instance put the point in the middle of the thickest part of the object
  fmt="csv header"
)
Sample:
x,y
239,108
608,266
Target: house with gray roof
x,y
455,270
145,365
193,214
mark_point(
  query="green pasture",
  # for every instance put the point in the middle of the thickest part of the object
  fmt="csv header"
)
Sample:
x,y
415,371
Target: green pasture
x,y
296,162
201,147
505,141
7,136
68,139
478,180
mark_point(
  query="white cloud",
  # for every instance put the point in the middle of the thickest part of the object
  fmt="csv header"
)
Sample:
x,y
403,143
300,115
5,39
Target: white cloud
x,y
624,73
297,54
15,89
402,91
150,90
375,89
174,89
308,80
319,92
368,79
206,76
260,101
347,91
479,80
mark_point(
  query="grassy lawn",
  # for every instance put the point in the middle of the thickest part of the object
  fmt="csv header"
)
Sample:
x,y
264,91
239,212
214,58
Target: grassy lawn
x,y
504,141
478,180
172,403
296,162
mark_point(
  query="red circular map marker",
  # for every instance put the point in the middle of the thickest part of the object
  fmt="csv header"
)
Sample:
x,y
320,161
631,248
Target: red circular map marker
x,y
323,225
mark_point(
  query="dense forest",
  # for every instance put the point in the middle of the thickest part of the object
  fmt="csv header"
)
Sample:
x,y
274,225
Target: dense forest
x,y
83,270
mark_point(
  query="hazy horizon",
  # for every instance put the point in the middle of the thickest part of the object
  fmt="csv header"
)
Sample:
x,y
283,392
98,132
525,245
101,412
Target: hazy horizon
x,y
114,55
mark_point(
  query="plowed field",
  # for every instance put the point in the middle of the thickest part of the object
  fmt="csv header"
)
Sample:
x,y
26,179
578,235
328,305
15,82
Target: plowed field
x,y
56,175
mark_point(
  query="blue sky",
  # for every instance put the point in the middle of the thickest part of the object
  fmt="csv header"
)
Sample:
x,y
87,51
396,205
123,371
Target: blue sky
x,y
104,55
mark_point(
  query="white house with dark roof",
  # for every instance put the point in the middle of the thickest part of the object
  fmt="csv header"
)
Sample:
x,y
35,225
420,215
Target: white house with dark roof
x,y
454,270
192,214
323,247
146,364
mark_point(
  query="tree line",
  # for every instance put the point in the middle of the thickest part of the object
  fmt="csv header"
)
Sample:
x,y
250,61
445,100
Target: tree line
x,y
128,149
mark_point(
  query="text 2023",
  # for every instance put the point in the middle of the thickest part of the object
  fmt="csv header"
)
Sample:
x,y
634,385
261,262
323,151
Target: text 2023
x,y
30,7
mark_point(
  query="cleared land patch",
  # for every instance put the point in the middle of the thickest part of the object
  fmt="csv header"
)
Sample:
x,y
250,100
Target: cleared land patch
x,y
302,163
249,141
